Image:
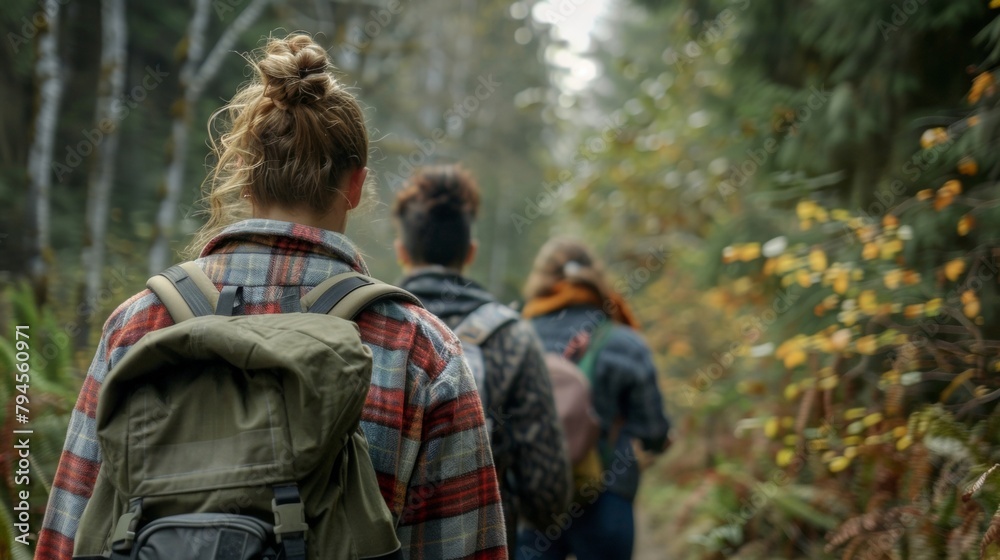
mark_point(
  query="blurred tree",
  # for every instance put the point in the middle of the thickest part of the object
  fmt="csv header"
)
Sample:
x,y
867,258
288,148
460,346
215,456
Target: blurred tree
x,y
105,136
49,79
194,77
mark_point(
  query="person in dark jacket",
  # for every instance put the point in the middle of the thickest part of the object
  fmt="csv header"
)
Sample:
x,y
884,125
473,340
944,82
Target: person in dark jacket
x,y
572,306
434,215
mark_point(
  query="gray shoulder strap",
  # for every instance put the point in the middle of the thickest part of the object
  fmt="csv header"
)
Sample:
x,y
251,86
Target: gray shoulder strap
x,y
482,323
345,295
185,290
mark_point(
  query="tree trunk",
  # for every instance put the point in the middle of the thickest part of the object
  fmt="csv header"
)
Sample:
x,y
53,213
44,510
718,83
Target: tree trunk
x,y
194,78
48,75
111,86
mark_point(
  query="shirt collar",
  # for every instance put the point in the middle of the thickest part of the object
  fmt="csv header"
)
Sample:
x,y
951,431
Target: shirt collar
x,y
260,235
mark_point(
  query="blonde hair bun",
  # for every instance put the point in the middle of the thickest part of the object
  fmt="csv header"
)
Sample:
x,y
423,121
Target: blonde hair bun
x,y
295,71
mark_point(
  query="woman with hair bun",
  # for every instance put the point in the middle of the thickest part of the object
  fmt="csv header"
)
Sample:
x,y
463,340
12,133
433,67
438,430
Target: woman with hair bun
x,y
434,214
290,166
575,312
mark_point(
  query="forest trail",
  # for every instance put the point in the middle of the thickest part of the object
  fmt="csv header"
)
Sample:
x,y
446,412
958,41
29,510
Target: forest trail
x,y
648,543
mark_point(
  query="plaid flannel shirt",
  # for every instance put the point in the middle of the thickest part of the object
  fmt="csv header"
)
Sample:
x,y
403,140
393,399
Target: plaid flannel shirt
x,y
423,418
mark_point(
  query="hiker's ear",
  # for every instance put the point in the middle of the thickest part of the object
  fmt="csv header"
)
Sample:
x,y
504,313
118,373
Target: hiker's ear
x,y
355,183
402,256
471,255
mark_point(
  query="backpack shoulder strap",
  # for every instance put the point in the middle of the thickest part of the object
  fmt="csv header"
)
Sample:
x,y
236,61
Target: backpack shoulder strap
x,y
345,295
186,291
598,340
484,321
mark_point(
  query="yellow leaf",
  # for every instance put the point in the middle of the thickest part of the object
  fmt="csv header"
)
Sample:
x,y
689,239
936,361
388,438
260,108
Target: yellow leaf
x,y
968,296
982,84
817,260
965,224
971,310
925,194
771,427
890,221
785,264
790,439
851,452
791,391
870,251
893,278
899,431
784,457
932,137
828,383
795,358
805,225
891,248
840,214
953,269
933,307
867,302
854,413
839,464
913,311
956,383
943,199
748,252
818,445
787,422
803,278
910,277
994,4
840,282
866,345
904,442
967,165
953,186
769,266
872,419
806,209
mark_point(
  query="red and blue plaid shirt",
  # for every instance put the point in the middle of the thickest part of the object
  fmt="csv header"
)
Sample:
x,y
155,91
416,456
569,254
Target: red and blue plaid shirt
x,y
423,418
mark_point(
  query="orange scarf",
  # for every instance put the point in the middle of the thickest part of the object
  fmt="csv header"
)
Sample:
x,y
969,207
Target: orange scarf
x,y
565,294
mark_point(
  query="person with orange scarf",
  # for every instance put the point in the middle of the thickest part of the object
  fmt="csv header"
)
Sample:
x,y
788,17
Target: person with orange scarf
x,y
575,313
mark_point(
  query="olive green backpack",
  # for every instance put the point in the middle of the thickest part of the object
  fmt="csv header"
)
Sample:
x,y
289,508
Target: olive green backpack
x,y
237,437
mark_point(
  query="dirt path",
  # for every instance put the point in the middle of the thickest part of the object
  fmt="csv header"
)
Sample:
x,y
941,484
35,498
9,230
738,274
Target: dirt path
x,y
647,543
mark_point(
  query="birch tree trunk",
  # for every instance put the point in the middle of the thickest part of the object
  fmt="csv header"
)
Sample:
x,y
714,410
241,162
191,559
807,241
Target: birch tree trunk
x,y
48,75
195,75
111,86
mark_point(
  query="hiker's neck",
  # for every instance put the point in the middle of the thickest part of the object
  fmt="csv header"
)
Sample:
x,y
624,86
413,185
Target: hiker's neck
x,y
334,220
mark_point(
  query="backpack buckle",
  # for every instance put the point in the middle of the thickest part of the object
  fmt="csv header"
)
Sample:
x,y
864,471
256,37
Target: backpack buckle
x,y
289,513
125,528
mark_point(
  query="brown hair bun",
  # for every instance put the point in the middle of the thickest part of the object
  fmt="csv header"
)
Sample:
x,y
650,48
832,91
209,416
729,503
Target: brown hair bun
x,y
295,72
